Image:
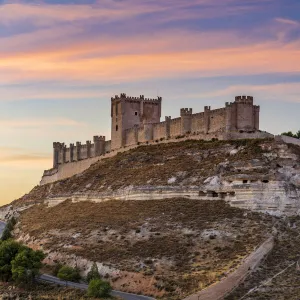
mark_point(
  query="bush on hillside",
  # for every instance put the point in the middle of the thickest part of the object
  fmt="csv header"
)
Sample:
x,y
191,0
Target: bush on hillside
x,y
93,273
67,273
26,265
291,134
8,229
18,262
99,288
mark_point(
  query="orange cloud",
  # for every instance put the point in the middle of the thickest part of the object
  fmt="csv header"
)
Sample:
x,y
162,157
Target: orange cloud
x,y
239,60
19,123
20,158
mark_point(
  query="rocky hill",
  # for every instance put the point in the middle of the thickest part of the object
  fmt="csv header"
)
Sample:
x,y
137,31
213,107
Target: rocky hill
x,y
169,220
256,174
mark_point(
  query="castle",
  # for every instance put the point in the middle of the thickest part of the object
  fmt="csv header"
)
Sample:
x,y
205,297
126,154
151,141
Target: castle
x,y
137,120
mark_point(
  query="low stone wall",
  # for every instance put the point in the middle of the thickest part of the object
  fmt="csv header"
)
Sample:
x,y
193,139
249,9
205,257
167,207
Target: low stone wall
x,y
219,290
70,169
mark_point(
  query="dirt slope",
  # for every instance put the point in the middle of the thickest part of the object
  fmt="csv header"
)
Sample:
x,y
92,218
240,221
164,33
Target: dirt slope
x,y
179,245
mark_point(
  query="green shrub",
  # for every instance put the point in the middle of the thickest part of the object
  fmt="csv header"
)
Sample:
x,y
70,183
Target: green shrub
x,y
93,273
18,262
8,229
99,288
26,265
67,273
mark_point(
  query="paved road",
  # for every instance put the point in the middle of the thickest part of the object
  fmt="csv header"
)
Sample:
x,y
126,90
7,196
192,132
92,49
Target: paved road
x,y
125,296
2,226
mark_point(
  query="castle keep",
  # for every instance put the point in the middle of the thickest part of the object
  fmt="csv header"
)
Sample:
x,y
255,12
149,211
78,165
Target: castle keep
x,y
137,120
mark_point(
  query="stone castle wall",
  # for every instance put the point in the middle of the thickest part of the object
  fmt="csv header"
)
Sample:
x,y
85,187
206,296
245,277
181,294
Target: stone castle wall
x,y
136,120
67,170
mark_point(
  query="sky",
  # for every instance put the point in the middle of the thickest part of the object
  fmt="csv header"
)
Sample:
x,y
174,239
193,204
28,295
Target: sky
x,y
62,61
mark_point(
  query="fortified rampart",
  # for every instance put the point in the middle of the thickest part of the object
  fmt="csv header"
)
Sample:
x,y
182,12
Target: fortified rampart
x,y
136,120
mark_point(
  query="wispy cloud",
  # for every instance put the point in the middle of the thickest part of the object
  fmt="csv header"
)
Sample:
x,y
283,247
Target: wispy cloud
x,y
20,158
288,21
42,14
38,123
244,60
287,92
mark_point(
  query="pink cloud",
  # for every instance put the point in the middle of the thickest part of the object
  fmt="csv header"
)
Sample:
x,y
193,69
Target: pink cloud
x,y
43,14
168,62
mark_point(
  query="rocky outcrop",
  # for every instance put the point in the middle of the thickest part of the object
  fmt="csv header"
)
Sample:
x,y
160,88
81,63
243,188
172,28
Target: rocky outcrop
x,y
261,175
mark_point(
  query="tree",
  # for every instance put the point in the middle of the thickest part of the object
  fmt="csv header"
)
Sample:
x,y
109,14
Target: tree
x,y
18,262
8,251
26,265
99,288
289,133
67,273
8,229
93,273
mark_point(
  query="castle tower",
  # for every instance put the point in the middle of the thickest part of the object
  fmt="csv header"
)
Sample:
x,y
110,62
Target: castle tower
x,y
242,115
206,119
186,120
128,112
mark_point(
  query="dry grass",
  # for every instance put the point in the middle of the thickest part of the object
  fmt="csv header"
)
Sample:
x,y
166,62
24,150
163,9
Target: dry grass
x,y
154,165
42,291
285,252
185,244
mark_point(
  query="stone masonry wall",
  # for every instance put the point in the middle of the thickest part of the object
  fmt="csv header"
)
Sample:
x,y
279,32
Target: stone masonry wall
x,y
217,120
137,120
159,131
131,136
175,127
198,122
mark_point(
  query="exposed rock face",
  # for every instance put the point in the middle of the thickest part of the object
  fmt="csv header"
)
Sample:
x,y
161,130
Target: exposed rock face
x,y
261,175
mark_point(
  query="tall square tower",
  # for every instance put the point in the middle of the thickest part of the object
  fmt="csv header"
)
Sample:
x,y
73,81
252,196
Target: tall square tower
x,y
127,112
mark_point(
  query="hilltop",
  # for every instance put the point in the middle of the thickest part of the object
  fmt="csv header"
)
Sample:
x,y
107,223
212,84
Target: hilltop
x,y
170,219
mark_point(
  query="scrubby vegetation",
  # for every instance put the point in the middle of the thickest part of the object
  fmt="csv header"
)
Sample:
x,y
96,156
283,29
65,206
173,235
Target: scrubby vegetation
x,y
99,288
179,245
8,229
291,134
193,161
93,273
43,291
19,263
278,277
166,248
68,273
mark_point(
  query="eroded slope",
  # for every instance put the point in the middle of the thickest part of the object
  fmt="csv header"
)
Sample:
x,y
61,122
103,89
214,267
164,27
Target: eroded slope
x,y
168,248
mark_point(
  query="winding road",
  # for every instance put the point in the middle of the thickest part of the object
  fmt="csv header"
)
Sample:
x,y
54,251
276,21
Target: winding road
x,y
82,286
2,226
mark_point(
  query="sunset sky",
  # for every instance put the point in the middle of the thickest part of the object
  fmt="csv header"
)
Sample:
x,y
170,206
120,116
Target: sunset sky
x,y
61,61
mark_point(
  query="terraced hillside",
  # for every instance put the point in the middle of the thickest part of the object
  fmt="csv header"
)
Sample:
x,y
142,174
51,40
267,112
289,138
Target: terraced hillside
x,y
167,248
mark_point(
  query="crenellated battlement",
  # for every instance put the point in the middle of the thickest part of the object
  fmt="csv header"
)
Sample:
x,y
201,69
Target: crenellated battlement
x,y
186,111
141,98
98,138
136,120
244,99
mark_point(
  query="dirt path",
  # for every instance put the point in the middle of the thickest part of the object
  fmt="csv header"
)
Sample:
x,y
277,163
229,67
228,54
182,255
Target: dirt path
x,y
219,290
